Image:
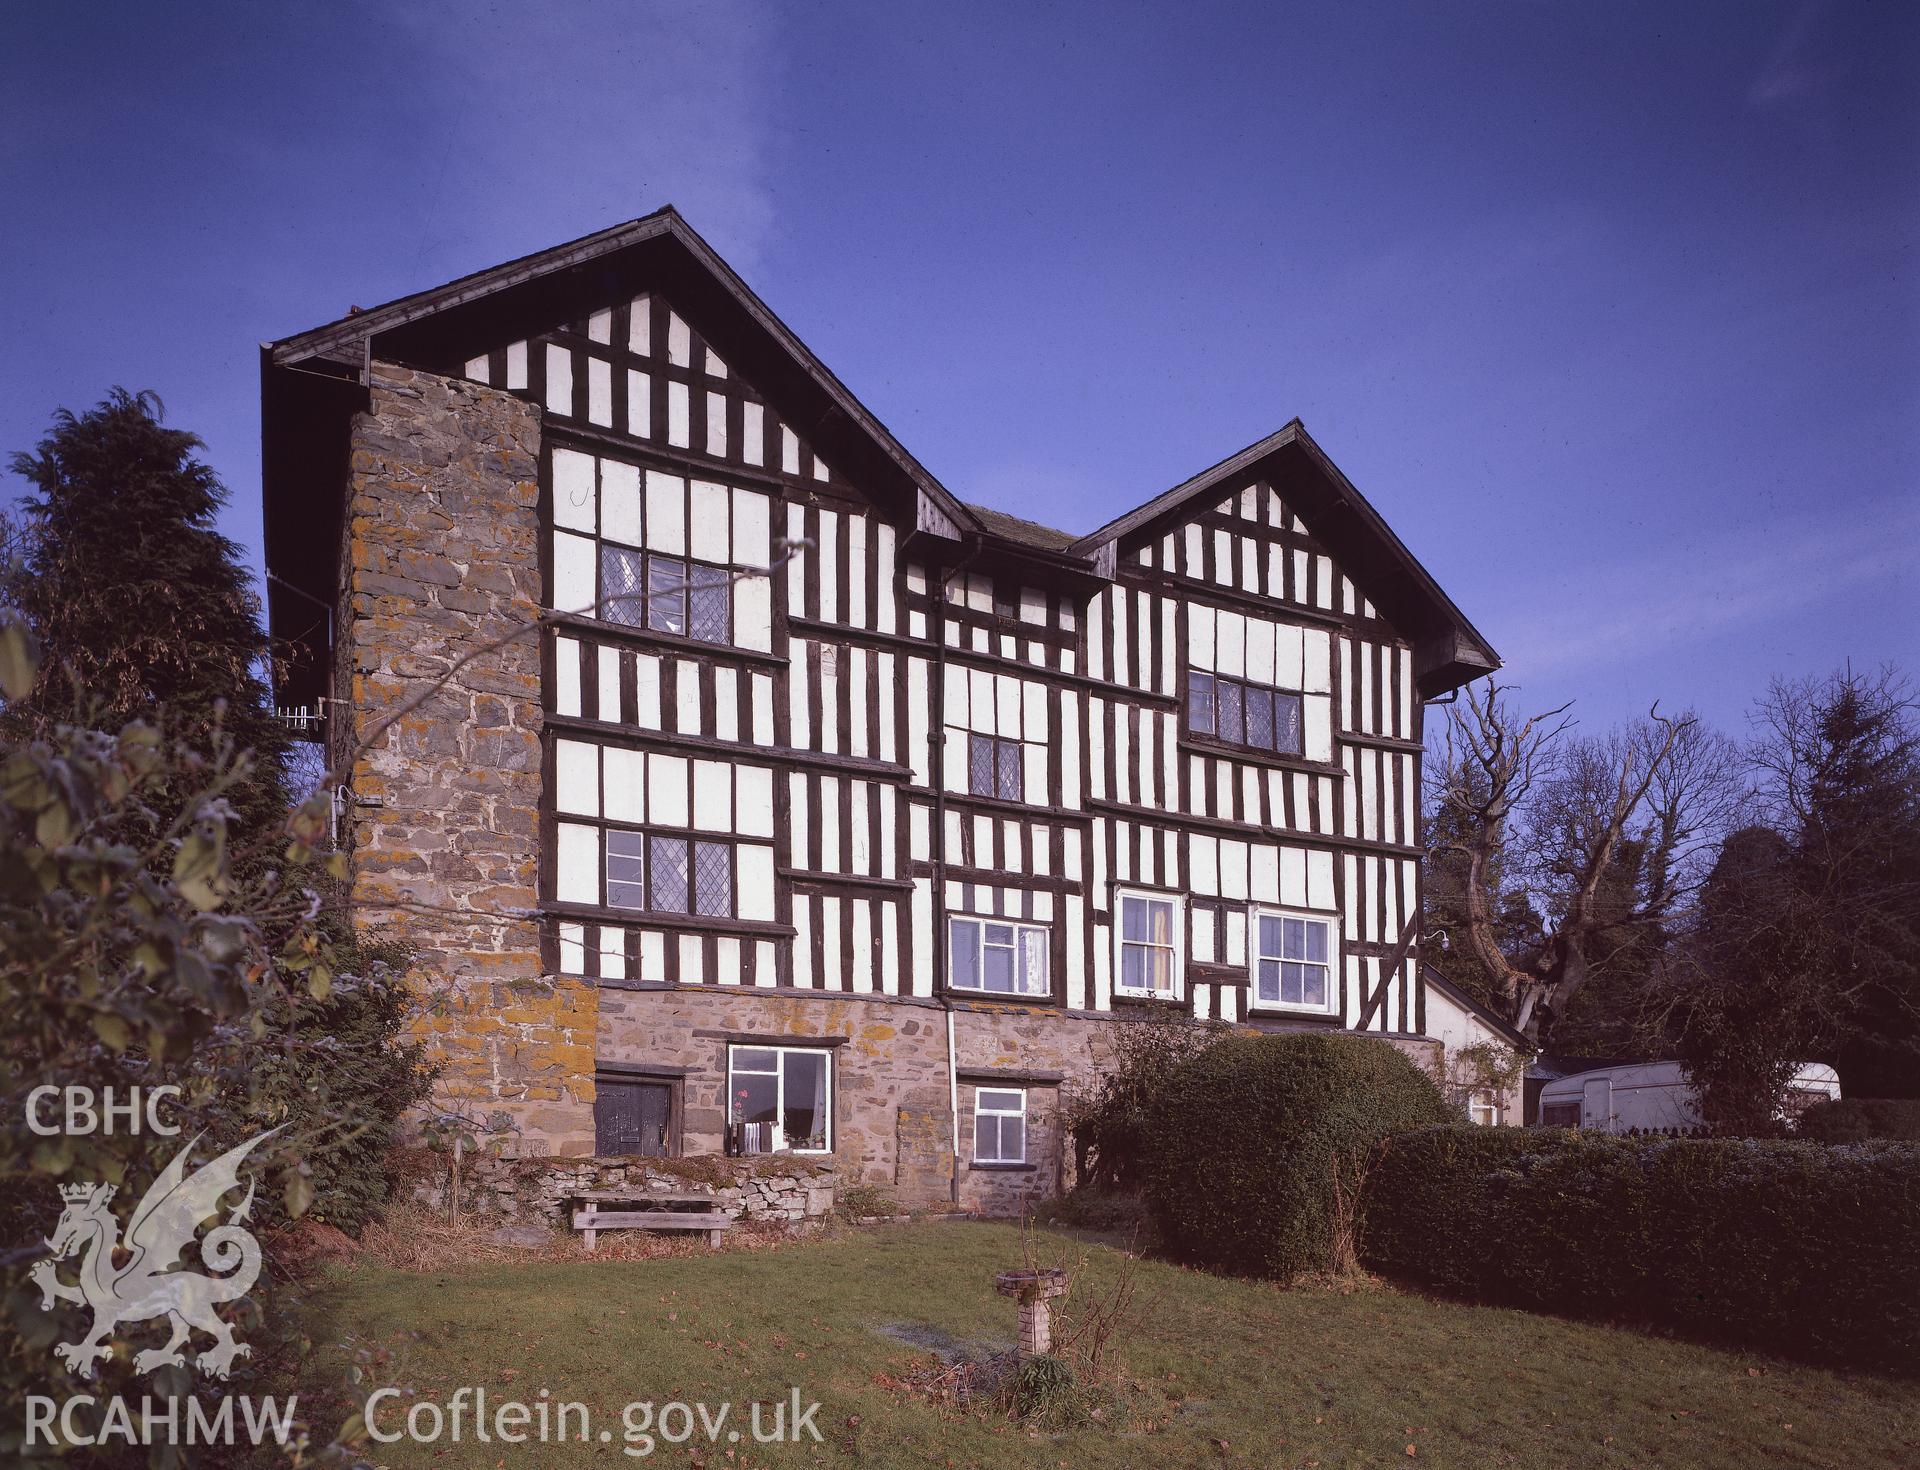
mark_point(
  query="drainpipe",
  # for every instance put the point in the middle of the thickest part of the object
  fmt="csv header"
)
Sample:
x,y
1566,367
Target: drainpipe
x,y
937,761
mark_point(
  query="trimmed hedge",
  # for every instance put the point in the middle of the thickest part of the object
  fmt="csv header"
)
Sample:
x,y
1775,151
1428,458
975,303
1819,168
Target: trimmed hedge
x,y
1857,1119
1243,1141
1796,1248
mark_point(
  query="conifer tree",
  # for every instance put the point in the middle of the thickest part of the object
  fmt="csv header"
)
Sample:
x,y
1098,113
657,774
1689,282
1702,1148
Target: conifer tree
x,y
142,608
1859,849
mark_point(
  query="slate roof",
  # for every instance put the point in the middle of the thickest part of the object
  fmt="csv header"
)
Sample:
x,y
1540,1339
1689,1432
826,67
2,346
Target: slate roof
x,y
1027,533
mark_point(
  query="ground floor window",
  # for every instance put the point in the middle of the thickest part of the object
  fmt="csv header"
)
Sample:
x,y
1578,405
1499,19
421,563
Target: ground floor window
x,y
779,1098
999,1125
1482,1108
999,958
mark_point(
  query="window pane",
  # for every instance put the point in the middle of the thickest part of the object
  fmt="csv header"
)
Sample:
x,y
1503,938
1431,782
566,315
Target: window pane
x,y
1013,1140
1296,939
1133,966
625,870
1133,918
998,1100
1270,936
669,858
1286,724
620,600
755,1059
1260,719
1233,725
1159,969
755,1097
963,953
1001,934
1200,703
1160,921
1010,761
1269,981
713,878
1293,983
980,768
712,597
1314,992
1316,948
666,595
1034,946
805,1119
986,1140
996,967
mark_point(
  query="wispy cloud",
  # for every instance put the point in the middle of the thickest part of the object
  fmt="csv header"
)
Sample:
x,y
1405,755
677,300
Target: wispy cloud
x,y
1791,71
561,118
1685,597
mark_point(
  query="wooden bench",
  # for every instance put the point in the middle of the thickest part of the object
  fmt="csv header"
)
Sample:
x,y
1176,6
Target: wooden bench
x,y
637,1209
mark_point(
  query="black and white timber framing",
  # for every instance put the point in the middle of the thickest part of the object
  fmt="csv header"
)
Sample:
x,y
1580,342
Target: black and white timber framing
x,y
775,789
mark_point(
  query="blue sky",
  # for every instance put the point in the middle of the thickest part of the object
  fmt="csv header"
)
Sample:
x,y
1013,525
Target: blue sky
x,y
1612,309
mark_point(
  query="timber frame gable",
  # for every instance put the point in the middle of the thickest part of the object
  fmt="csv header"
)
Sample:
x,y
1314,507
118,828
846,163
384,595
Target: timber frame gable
x,y
1295,498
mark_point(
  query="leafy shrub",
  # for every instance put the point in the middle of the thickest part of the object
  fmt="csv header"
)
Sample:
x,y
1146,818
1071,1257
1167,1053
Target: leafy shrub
x,y
1857,1119
1109,1121
350,1081
1253,1143
1793,1247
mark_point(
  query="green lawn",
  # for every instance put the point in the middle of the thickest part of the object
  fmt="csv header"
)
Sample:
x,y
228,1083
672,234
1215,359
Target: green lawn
x,y
1240,1373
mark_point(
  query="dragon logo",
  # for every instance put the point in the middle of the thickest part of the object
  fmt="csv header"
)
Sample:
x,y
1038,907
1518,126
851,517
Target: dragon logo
x,y
135,1280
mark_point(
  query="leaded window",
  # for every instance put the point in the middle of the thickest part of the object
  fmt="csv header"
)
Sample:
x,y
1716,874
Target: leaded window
x,y
666,594
664,873
1235,712
996,767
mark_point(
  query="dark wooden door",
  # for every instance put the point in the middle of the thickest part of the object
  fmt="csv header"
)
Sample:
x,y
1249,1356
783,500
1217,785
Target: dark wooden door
x,y
632,1118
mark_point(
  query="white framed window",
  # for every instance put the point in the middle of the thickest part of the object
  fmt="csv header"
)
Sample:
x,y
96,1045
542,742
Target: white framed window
x,y
1482,1109
999,1125
1147,942
780,1099
1292,961
998,956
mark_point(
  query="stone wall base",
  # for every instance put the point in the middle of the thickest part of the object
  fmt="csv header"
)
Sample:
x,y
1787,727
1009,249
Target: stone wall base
x,y
785,1190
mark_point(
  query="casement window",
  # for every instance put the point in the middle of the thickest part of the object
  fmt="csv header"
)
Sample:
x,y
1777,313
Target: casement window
x,y
998,957
656,551
999,1125
658,833
666,594
651,872
780,1099
1293,961
1147,961
995,767
1235,712
1482,1109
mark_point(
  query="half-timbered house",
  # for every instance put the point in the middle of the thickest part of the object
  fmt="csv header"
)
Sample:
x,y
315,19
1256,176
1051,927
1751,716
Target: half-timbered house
x,y
744,788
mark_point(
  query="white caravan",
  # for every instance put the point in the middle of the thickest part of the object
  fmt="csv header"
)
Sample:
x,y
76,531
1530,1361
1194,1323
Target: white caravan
x,y
1654,1095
